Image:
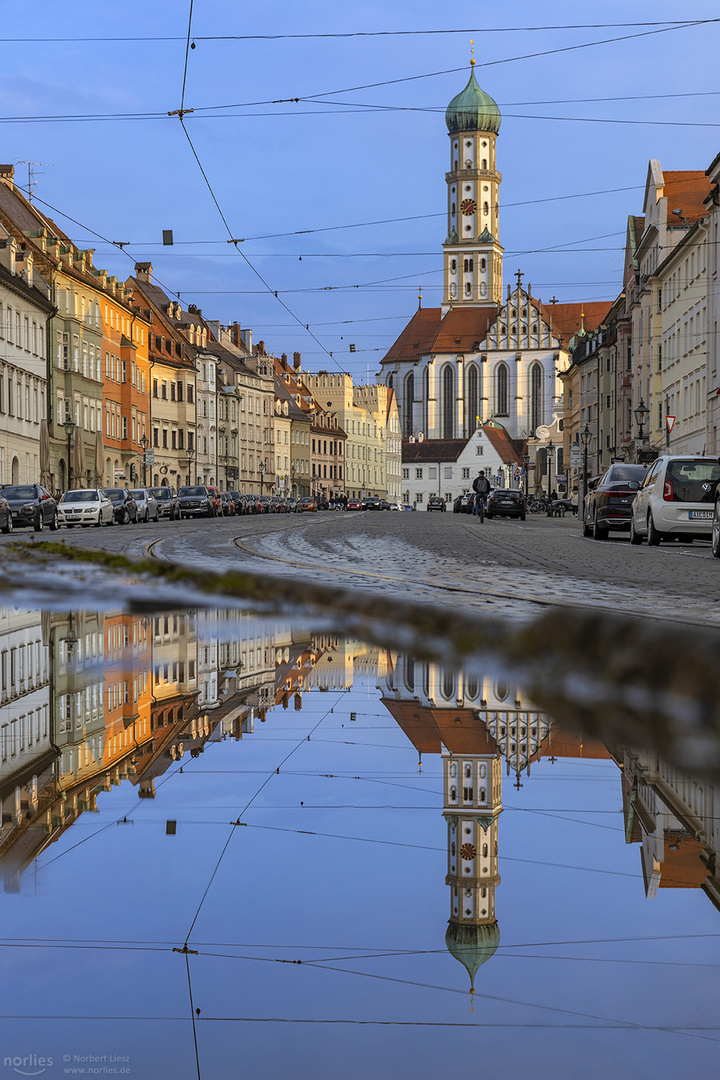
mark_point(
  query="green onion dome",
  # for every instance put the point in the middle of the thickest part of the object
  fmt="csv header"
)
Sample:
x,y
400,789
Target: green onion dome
x,y
472,110
472,945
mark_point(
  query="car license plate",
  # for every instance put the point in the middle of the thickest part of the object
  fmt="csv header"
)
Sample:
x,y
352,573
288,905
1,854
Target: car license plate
x,y
700,515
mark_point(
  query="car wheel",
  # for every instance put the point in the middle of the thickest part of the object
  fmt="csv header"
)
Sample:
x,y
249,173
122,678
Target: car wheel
x,y
522,517
598,532
587,527
9,527
54,524
125,519
39,522
653,536
635,537
98,523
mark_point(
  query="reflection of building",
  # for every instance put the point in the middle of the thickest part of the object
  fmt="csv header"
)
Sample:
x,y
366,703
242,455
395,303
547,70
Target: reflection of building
x,y
675,820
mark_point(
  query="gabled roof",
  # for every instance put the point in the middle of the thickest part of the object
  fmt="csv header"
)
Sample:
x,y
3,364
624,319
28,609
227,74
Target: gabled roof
x,y
433,450
569,319
686,190
429,331
508,449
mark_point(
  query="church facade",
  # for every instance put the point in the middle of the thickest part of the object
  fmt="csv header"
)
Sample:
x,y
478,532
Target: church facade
x,y
487,354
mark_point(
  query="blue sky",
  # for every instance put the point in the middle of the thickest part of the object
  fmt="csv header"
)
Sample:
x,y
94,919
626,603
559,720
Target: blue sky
x,y
350,156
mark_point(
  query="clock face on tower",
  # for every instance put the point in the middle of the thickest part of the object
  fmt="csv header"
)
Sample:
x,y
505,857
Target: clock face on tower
x,y
468,206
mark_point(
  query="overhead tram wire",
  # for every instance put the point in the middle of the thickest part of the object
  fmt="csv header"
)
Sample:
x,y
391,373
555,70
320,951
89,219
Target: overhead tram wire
x,y
669,23
273,292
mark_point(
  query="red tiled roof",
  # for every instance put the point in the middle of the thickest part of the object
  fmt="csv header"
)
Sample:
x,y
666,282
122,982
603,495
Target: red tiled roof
x,y
508,449
417,722
683,868
567,318
433,449
686,190
430,332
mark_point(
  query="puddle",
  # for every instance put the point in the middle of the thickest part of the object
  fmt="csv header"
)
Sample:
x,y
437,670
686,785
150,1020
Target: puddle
x,y
237,846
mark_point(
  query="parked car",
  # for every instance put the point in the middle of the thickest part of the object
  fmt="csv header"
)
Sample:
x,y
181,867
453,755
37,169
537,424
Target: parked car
x,y
505,502
436,503
214,494
228,504
147,507
354,504
307,505
676,500
86,506
277,505
237,502
6,518
291,505
609,504
196,501
372,503
167,502
464,503
263,504
31,504
407,506
124,506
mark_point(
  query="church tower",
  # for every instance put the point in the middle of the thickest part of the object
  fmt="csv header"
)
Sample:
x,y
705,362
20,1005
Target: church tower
x,y
472,255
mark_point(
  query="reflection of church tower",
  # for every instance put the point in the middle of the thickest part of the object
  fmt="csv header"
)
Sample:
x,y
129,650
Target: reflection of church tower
x,y
472,803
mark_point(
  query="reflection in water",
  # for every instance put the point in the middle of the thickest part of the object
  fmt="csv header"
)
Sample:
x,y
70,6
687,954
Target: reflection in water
x,y
477,723
91,699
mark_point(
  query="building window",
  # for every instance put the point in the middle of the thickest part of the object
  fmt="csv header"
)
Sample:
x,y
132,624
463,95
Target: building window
x,y
473,402
418,474
448,402
409,401
501,390
536,397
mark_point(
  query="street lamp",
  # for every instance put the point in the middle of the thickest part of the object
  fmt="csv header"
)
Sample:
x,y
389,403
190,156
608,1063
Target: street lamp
x,y
585,440
144,442
69,426
190,453
641,417
550,452
262,477
526,467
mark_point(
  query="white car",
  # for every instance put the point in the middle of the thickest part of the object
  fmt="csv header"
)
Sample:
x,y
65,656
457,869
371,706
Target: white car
x,y
676,500
87,506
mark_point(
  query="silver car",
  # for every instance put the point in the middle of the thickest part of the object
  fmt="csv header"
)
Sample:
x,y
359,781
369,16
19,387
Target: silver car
x,y
147,506
676,500
87,506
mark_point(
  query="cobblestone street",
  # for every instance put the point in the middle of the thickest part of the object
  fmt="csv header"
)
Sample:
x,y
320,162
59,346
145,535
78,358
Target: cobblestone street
x,y
505,565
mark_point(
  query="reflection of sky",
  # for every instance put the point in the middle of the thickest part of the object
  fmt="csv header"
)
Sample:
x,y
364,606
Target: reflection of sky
x,y
333,901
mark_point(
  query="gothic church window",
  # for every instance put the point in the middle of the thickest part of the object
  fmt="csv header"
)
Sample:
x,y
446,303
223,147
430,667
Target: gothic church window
x,y
501,390
448,399
536,396
472,399
409,400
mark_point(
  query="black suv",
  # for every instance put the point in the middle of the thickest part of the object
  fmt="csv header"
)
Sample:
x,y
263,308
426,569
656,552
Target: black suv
x,y
506,502
31,504
196,501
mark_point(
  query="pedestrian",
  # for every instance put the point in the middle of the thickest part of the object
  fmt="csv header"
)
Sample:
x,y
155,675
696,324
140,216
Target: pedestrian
x,y
481,487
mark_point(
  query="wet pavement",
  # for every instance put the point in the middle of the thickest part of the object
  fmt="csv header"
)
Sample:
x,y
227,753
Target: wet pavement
x,y
240,847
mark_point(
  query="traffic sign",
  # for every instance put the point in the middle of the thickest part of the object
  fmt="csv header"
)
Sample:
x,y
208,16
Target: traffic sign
x,y
670,421
149,457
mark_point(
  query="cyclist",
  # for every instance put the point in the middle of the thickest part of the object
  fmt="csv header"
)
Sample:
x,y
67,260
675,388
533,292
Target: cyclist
x,y
481,487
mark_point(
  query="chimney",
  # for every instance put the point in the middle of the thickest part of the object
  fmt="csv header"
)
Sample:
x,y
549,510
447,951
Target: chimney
x,y
143,272
297,361
235,334
7,172
7,252
246,336
261,348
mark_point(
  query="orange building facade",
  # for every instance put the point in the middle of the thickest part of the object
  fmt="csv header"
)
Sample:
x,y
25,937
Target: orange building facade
x,y
126,389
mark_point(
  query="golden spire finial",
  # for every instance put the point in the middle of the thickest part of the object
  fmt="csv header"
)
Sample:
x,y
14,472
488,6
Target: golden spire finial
x,y
472,53
419,297
582,318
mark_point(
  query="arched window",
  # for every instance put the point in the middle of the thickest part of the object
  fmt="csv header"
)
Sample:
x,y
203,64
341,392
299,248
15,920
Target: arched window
x,y
409,674
389,382
472,400
409,401
448,685
536,397
426,398
501,390
448,400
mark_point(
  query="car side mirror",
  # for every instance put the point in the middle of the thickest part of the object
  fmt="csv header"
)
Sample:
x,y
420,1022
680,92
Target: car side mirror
x,y
633,485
